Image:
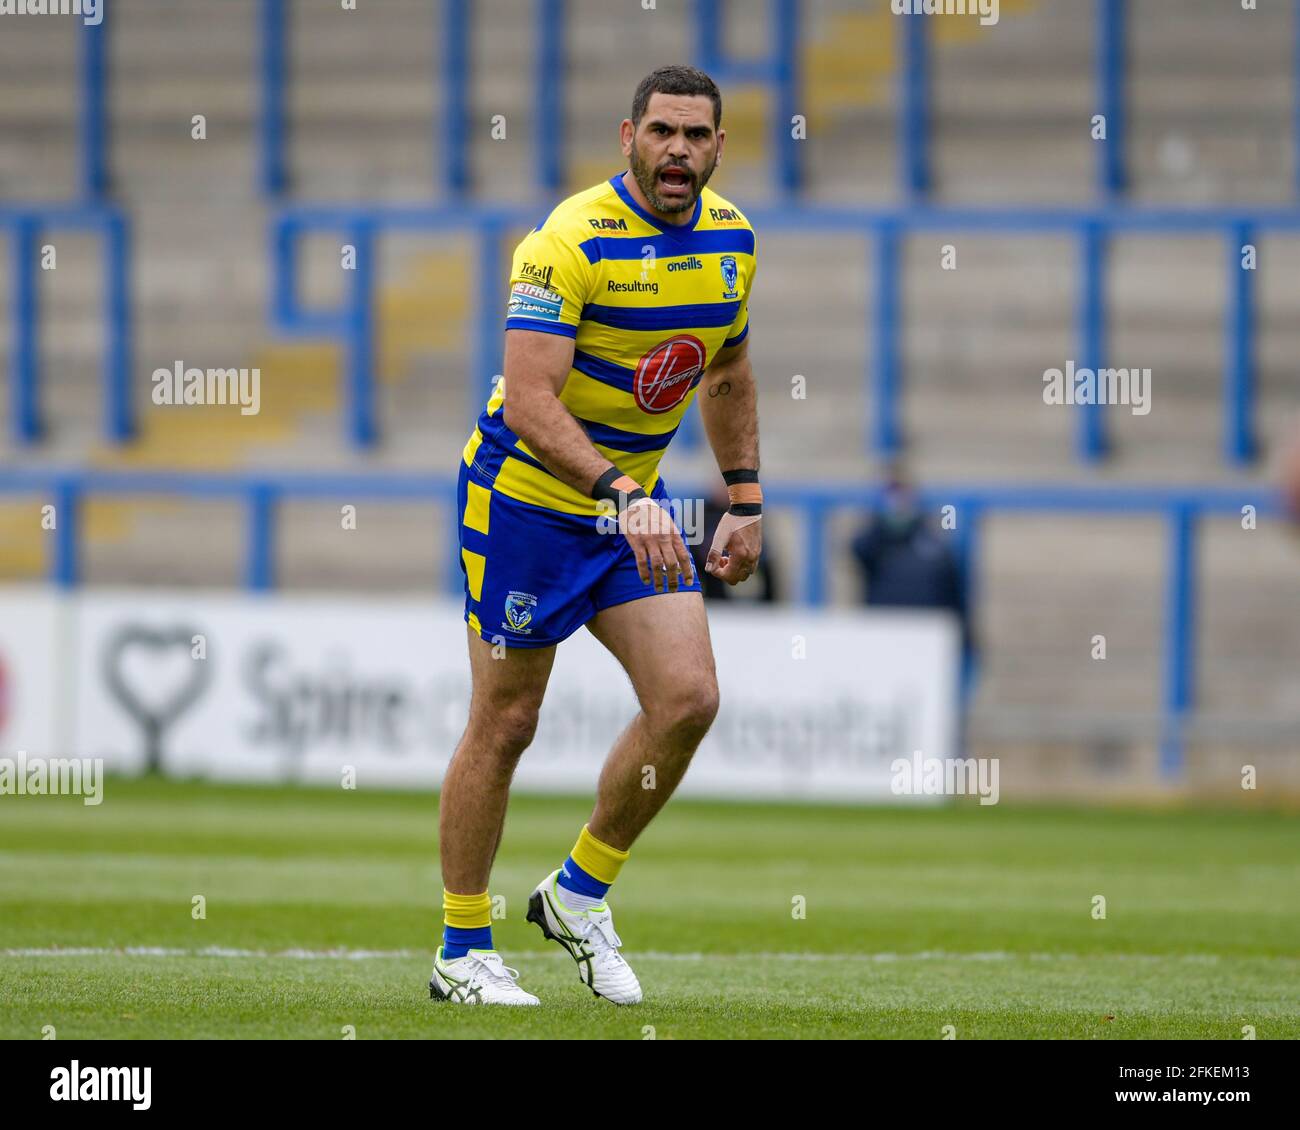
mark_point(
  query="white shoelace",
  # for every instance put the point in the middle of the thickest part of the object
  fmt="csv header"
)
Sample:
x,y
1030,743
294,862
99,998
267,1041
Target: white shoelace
x,y
603,927
492,970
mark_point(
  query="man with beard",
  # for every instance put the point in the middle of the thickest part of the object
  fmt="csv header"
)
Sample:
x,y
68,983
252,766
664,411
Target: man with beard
x,y
624,302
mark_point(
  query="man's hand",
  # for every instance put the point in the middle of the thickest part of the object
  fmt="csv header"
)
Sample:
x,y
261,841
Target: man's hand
x,y
733,556
656,544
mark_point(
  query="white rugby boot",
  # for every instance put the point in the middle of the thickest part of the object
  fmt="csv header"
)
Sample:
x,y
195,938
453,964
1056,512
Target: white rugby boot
x,y
588,937
480,977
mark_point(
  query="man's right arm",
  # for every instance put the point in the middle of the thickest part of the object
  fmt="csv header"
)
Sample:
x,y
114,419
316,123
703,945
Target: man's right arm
x,y
536,367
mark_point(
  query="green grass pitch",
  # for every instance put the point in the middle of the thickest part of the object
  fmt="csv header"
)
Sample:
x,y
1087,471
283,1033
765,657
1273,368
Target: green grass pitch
x,y
321,915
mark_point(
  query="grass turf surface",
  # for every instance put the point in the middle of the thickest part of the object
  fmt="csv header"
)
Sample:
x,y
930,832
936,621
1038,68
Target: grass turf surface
x,y
979,918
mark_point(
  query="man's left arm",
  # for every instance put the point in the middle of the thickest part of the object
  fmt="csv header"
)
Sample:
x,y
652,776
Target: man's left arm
x,y
728,403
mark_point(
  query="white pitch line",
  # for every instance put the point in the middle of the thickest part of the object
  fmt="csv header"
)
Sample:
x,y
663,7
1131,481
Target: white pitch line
x,y
650,955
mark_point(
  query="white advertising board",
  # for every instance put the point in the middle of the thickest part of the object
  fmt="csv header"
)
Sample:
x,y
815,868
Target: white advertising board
x,y
815,704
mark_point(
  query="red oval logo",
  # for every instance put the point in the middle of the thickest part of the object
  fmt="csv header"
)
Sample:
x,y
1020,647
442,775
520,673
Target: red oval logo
x,y
668,372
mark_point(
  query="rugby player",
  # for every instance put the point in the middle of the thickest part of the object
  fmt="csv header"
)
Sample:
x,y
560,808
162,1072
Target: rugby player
x,y
626,304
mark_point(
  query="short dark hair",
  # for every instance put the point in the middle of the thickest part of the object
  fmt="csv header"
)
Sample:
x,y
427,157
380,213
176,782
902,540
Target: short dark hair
x,y
677,79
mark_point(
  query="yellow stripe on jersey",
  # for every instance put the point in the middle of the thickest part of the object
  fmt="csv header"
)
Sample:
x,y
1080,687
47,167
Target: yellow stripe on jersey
x,y
527,483
648,306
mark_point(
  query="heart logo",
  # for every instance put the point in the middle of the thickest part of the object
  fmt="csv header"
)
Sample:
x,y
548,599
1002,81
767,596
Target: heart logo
x,y
153,675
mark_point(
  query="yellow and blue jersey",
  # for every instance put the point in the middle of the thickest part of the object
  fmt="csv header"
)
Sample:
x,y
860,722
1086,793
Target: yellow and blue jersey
x,y
649,305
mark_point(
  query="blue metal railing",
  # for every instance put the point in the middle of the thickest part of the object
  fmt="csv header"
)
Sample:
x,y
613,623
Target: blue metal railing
x,y
1111,55
1111,74
456,77
914,106
550,117
93,124
1183,508
779,71
452,127
273,163
353,324
24,228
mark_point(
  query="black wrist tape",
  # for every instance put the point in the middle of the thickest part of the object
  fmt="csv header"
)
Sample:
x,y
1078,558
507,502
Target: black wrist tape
x,y
743,475
605,489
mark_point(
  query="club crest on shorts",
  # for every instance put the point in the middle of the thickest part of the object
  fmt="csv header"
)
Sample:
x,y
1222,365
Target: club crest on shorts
x,y
668,372
728,276
519,611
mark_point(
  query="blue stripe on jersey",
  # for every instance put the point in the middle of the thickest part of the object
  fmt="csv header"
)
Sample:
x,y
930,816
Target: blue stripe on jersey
x,y
623,248
738,338
560,328
608,436
608,373
662,317
501,442
497,442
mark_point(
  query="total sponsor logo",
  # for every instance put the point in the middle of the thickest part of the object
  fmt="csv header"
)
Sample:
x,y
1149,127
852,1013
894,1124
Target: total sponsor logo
x,y
537,273
668,372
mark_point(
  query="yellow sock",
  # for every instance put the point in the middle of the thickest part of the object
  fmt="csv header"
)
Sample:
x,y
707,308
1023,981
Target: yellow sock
x,y
590,871
467,923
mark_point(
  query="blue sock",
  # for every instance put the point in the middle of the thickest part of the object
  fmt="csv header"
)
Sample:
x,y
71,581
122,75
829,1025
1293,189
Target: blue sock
x,y
579,882
457,942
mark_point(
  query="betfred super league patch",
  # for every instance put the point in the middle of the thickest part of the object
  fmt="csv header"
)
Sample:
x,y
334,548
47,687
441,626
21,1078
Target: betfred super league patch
x,y
528,300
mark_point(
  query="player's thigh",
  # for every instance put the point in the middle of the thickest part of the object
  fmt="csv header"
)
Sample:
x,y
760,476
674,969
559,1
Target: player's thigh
x,y
663,643
509,684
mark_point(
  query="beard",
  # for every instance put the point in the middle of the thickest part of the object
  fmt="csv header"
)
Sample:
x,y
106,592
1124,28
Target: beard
x,y
647,179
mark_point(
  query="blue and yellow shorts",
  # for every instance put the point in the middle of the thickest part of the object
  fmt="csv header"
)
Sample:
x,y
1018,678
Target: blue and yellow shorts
x,y
534,576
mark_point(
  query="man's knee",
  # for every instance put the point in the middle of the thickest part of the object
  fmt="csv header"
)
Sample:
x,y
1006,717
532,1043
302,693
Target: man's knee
x,y
506,730
688,708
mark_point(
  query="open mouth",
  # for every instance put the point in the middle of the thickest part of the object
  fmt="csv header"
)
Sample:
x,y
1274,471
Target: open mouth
x,y
675,180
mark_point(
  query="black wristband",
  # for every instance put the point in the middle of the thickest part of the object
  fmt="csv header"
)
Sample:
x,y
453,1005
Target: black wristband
x,y
605,489
746,509
743,475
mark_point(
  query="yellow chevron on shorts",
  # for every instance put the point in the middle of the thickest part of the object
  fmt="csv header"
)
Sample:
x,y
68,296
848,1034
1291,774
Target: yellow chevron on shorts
x,y
474,566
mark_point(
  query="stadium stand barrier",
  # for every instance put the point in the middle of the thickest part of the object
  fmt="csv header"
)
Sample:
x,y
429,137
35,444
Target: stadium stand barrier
x,y
24,227
1182,508
353,323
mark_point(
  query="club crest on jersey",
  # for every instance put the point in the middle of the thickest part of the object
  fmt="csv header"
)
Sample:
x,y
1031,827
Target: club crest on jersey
x,y
519,611
668,372
728,266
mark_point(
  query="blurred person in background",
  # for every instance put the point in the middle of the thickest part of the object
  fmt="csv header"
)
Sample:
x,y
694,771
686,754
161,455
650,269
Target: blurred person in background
x,y
907,561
